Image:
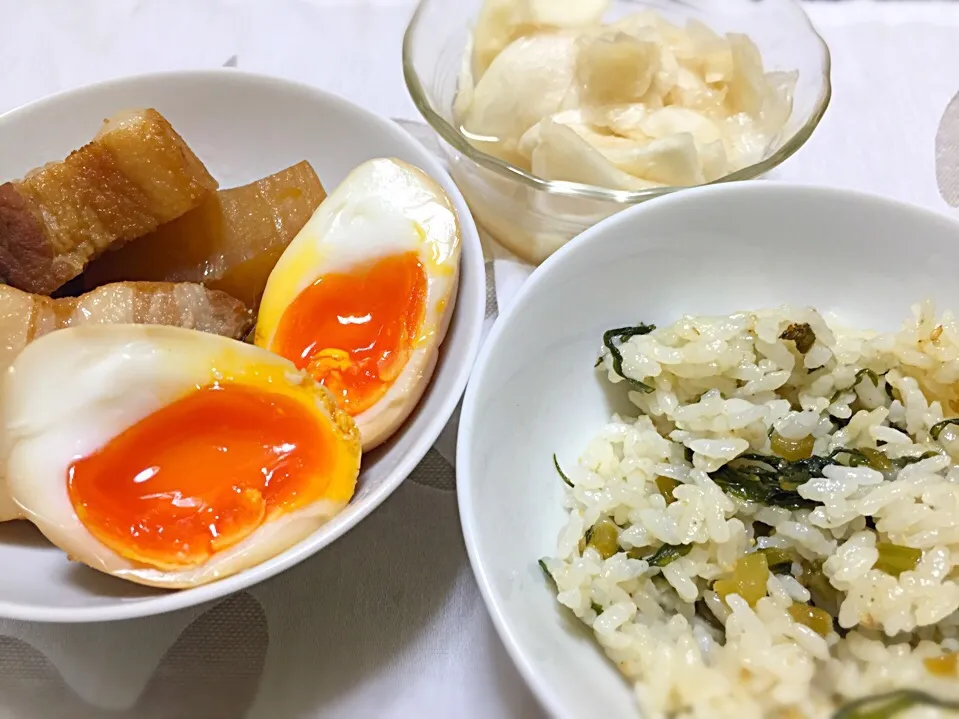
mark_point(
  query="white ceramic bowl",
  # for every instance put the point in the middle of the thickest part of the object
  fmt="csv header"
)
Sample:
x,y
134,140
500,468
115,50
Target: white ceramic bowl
x,y
243,127
534,390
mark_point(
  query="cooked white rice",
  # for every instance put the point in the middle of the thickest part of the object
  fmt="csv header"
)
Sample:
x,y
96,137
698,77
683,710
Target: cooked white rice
x,y
724,386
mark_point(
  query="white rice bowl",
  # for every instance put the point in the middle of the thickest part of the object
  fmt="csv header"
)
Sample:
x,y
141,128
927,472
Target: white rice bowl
x,y
706,392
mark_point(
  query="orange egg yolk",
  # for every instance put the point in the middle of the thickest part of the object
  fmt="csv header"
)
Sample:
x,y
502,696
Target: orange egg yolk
x,y
202,473
355,332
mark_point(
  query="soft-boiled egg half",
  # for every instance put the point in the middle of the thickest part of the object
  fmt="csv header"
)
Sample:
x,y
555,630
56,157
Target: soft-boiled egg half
x,y
362,297
8,508
170,457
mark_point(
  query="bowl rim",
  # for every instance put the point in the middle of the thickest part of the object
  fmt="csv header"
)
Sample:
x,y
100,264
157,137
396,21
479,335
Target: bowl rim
x,y
471,310
523,659
507,170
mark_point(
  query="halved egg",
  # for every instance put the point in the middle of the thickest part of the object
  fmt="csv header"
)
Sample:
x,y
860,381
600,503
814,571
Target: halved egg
x,y
362,297
8,508
171,457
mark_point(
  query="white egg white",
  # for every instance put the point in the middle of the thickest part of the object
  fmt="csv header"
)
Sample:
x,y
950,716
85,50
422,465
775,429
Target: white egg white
x,y
383,208
8,508
72,391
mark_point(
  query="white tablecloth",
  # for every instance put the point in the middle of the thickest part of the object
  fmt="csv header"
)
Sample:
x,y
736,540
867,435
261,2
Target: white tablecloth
x,y
361,630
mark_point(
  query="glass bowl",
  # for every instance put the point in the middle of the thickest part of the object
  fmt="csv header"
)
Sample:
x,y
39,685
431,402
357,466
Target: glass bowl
x,y
532,216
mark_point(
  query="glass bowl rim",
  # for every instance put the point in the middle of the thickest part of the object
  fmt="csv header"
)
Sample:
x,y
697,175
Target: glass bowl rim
x,y
455,138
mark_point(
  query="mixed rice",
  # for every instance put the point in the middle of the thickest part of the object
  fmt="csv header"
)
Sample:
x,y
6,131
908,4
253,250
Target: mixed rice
x,y
777,533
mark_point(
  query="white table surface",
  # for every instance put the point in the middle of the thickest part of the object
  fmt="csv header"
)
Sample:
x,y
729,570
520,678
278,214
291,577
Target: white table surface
x,y
388,621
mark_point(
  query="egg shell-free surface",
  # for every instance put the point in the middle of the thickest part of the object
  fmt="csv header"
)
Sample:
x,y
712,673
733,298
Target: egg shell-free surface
x,y
243,127
71,392
384,208
535,392
8,508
